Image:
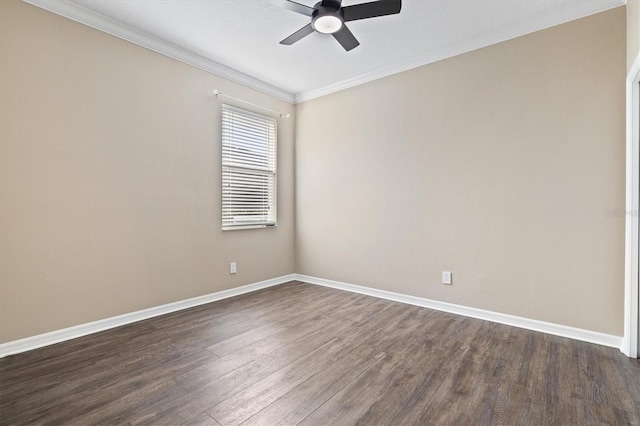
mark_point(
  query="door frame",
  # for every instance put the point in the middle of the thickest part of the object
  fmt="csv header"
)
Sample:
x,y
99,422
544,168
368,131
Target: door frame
x,y
632,241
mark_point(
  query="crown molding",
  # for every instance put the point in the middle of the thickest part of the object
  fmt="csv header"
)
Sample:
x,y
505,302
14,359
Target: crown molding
x,y
102,23
567,14
92,19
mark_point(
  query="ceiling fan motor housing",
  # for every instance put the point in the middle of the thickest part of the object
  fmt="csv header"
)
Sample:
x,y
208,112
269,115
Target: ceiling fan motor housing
x,y
327,17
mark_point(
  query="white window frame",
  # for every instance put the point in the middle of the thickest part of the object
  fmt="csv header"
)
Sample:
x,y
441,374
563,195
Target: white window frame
x,y
229,167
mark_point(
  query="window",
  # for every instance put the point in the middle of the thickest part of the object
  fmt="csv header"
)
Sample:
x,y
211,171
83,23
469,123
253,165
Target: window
x,y
248,169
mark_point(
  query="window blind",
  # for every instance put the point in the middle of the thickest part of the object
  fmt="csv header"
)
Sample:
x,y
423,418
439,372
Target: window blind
x,y
248,169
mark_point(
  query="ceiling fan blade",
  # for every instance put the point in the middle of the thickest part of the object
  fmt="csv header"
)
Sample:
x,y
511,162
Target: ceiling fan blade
x,y
299,8
346,38
298,35
371,9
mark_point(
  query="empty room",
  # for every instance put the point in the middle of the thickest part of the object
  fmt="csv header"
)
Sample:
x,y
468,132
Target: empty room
x,y
265,212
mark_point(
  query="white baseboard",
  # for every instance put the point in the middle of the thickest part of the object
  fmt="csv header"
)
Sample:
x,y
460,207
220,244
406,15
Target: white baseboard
x,y
526,323
64,334
34,342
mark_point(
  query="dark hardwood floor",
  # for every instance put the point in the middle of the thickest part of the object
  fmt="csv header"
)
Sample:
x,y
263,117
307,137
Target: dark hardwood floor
x,y
303,354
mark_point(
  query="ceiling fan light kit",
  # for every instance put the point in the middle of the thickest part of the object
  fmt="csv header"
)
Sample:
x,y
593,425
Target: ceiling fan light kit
x,y
327,24
329,17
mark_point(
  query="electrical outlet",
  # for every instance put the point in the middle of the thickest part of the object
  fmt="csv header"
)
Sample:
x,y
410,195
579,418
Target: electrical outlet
x,y
232,268
446,277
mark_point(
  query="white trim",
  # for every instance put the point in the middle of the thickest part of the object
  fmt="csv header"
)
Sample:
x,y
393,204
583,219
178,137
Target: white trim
x,y
585,8
520,322
100,22
46,339
630,342
65,334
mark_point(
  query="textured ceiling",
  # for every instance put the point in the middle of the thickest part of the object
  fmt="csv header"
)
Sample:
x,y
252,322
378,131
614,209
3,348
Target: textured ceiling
x,y
244,34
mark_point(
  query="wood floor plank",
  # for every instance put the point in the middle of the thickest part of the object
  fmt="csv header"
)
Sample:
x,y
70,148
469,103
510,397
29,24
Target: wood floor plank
x,y
244,404
455,398
273,356
295,405
351,403
123,405
316,311
244,339
218,390
402,393
304,354
39,363
557,392
597,414
201,420
611,388
505,401
228,385
198,377
72,382
235,410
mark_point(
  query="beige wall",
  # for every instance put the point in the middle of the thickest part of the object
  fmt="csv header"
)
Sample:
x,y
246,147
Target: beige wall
x,y
633,31
497,165
110,179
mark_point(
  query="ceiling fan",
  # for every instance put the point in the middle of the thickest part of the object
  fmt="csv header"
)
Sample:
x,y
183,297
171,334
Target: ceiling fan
x,y
329,17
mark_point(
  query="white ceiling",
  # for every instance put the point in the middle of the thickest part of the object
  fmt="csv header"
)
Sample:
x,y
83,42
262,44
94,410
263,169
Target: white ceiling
x,y
243,35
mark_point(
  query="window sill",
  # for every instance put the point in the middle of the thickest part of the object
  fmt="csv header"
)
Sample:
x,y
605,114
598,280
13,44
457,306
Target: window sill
x,y
240,227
